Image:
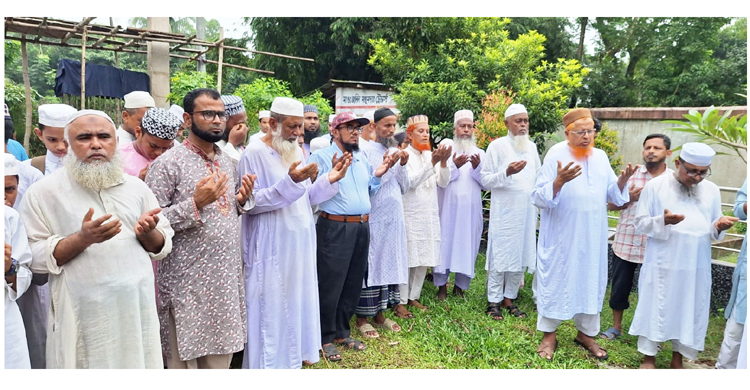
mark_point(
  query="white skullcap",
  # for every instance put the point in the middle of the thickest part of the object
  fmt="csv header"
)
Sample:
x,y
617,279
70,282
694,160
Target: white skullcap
x,y
55,115
177,111
319,143
462,114
330,118
395,110
514,109
90,112
370,115
11,165
139,99
697,153
264,114
287,106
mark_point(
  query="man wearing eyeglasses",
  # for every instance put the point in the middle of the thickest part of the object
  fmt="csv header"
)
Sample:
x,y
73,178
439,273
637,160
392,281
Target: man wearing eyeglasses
x,y
572,190
201,283
680,213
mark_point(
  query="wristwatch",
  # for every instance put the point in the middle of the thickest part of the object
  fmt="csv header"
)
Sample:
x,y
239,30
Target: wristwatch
x,y
13,268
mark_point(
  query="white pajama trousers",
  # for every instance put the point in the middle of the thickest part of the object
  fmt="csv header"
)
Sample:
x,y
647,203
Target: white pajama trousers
x,y
503,285
588,324
730,347
462,281
413,289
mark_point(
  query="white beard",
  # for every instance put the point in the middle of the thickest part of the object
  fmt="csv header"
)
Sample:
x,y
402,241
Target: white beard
x,y
288,150
464,145
520,142
94,176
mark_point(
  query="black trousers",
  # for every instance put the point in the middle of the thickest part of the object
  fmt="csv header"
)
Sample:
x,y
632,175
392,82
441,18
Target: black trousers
x,y
342,261
623,273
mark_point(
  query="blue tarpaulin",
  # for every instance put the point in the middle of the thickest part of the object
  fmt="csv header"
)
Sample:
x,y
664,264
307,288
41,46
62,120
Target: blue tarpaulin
x,y
101,80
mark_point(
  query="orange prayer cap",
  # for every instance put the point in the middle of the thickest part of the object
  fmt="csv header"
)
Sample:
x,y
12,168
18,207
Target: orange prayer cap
x,y
415,120
575,114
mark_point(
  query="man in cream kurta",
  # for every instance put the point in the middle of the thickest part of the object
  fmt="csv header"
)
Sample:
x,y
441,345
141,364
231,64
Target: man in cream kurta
x,y
680,213
17,262
97,251
510,170
421,211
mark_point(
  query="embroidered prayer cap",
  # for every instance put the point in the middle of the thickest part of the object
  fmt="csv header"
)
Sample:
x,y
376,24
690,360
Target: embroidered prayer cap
x,y
160,123
11,165
381,113
177,111
264,114
415,120
139,99
697,153
576,114
515,109
7,111
287,106
55,115
345,117
310,108
233,104
462,114
90,112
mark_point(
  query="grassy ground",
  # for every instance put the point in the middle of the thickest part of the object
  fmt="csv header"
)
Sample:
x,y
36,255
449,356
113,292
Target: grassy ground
x,y
456,333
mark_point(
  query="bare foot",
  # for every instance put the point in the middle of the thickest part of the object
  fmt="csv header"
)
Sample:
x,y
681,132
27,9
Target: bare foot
x,y
442,293
649,362
676,361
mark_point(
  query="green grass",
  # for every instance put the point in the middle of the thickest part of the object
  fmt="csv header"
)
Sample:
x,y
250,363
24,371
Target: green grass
x,y
613,222
456,333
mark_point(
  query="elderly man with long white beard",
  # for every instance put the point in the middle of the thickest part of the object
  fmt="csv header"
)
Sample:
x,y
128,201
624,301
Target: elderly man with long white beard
x,y
510,170
572,189
460,205
426,171
279,244
98,251
680,213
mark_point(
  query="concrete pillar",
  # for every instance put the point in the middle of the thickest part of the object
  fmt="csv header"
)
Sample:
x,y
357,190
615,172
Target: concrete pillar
x,y
158,63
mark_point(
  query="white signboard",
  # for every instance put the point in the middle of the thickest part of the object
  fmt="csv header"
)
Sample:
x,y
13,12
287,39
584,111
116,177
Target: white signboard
x,y
360,101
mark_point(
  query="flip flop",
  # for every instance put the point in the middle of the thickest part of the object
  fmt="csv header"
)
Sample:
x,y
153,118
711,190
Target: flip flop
x,y
387,324
366,327
545,349
610,334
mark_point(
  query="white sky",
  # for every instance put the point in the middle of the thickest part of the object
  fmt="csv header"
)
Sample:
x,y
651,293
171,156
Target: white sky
x,y
233,27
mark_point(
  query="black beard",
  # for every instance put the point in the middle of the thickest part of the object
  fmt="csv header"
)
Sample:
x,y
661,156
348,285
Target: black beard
x,y
205,135
654,164
309,135
351,148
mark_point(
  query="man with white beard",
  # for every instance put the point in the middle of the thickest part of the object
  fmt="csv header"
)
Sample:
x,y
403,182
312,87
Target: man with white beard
x,y
460,209
510,171
279,244
101,280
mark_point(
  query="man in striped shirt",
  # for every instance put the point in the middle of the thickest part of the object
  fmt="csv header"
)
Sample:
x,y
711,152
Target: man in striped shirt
x,y
628,246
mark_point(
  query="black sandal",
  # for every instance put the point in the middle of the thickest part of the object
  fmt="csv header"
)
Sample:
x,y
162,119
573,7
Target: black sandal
x,y
354,344
516,312
493,309
329,351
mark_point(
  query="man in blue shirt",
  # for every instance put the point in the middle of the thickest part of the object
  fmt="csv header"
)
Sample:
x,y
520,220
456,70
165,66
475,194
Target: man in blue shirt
x,y
343,233
14,147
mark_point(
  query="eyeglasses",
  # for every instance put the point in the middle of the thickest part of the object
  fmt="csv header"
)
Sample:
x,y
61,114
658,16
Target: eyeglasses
x,y
580,133
694,173
209,115
349,128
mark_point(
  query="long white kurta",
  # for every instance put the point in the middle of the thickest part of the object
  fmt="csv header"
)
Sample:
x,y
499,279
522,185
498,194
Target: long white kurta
x,y
387,261
461,221
281,281
103,312
572,247
421,210
511,237
674,286
16,349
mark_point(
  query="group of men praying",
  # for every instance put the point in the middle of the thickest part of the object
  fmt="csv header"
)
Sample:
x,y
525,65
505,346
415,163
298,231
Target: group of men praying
x,y
178,240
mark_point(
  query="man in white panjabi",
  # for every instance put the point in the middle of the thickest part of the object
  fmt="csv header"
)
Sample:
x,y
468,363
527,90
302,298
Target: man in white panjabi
x,y
680,213
97,251
572,191
136,105
233,140
509,172
263,117
421,210
460,204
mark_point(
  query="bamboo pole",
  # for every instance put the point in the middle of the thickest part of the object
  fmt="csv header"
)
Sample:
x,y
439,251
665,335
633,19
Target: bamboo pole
x,y
27,87
221,59
83,70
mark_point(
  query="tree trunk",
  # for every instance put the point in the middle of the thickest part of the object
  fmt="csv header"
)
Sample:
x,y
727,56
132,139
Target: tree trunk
x,y
27,88
584,22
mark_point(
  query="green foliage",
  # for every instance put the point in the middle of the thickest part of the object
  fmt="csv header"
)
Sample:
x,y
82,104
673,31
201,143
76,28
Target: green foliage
x,y
491,120
726,130
608,140
324,108
15,98
259,95
183,82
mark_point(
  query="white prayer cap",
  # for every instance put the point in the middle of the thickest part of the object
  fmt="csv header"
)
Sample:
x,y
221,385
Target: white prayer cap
x,y
11,165
514,109
287,106
319,143
264,114
177,111
697,154
55,115
395,110
139,99
462,114
330,118
90,112
370,115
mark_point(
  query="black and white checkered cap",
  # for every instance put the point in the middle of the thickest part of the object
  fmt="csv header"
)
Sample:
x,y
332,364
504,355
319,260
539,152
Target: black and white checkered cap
x,y
160,123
